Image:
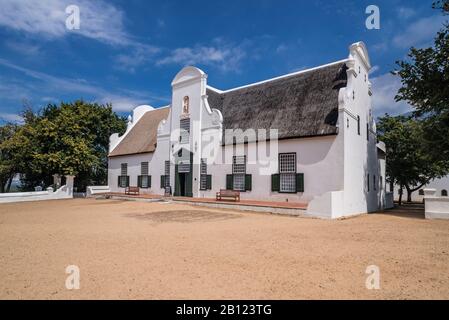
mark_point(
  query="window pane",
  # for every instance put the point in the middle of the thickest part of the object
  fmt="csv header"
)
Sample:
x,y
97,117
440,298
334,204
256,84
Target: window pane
x,y
239,182
203,182
287,163
239,165
123,181
185,130
288,182
203,166
124,169
167,173
144,168
144,181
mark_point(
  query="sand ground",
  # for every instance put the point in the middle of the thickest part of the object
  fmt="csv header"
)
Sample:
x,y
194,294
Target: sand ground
x,y
131,250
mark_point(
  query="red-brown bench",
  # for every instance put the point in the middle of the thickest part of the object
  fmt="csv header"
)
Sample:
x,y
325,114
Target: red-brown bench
x,y
228,194
132,190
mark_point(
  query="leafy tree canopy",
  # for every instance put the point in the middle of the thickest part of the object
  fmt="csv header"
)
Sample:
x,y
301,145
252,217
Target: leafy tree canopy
x,y
70,138
409,165
425,85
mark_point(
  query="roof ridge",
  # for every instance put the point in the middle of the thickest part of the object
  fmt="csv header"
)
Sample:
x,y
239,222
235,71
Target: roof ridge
x,y
278,77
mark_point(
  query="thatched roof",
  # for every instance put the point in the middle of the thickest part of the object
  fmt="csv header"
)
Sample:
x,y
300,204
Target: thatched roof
x,y
302,104
143,135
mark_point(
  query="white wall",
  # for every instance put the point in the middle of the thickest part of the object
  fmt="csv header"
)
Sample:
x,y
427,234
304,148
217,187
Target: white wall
x,y
319,158
361,154
155,159
436,207
190,82
438,184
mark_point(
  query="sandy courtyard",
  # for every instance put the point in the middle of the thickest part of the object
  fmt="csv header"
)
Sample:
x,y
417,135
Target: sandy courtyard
x,y
131,250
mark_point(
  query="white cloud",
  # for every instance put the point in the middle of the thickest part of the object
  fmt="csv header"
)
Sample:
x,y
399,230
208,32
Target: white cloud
x,y
281,48
405,13
99,20
385,88
122,99
221,55
139,56
25,48
421,32
11,117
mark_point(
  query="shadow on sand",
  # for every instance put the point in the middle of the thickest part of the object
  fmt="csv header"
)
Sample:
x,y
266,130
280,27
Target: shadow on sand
x,y
407,210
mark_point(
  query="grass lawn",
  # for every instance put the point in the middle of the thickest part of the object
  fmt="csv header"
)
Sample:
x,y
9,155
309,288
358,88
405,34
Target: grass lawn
x,y
132,250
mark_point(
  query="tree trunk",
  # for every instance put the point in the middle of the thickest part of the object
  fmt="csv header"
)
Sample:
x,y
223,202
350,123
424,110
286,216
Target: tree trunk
x,y
409,195
400,194
2,185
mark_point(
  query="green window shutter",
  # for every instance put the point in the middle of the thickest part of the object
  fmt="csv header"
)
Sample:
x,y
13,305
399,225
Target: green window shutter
x,y
275,184
209,182
149,181
229,182
162,182
119,181
127,181
139,181
300,182
248,182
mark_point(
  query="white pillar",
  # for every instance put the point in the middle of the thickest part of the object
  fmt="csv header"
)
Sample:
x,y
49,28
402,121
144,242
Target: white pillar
x,y
429,193
57,180
69,184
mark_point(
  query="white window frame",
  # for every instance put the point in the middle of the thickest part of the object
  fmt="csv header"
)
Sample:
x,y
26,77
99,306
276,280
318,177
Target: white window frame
x,y
184,137
203,174
167,173
287,172
238,173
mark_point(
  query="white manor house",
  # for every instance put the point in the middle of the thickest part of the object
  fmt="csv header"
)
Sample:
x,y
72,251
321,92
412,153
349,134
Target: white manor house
x,y
306,137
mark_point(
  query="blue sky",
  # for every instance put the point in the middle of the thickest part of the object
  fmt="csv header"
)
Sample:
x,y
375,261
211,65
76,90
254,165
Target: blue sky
x,y
127,52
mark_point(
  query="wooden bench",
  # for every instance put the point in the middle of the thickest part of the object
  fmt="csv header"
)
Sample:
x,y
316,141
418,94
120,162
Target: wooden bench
x,y
132,190
228,194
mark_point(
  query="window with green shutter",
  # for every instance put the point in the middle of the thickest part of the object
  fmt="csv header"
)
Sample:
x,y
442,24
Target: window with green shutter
x,y
229,182
209,182
205,179
300,182
162,182
239,173
248,182
167,174
144,178
275,183
123,179
287,172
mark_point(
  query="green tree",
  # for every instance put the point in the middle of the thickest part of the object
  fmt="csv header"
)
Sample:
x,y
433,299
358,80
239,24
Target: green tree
x,y
8,167
70,138
409,165
442,4
425,85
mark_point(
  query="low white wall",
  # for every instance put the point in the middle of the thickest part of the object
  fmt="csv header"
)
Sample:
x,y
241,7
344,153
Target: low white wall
x,y
436,207
64,192
93,190
61,193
